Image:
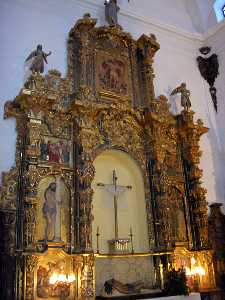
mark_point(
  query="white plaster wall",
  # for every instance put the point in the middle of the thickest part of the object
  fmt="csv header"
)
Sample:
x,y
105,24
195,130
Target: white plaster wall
x,y
195,14
216,40
192,296
170,12
24,24
207,13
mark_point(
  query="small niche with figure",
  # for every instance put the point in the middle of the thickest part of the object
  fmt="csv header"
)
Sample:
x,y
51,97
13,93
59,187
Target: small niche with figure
x,y
52,210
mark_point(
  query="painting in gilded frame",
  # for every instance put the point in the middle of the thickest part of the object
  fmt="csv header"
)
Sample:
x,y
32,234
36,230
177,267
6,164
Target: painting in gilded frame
x,y
53,219
56,150
55,277
112,74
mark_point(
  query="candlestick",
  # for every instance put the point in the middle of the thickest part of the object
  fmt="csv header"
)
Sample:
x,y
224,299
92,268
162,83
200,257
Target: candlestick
x,y
131,231
131,240
97,235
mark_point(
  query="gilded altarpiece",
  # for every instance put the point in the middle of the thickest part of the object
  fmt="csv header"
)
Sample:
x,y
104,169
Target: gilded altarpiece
x,y
106,101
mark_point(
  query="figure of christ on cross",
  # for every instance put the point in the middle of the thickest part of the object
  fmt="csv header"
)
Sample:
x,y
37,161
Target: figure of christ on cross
x,y
115,190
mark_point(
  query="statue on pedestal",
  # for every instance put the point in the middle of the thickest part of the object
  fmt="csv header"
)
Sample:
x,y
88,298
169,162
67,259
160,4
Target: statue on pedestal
x,y
185,95
39,58
111,11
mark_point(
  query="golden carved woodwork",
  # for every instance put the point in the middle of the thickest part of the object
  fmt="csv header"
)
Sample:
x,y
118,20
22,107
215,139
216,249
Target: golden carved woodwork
x,y
31,264
88,112
194,260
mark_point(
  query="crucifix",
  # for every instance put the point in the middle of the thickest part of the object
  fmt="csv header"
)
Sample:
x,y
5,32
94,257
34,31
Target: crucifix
x,y
115,190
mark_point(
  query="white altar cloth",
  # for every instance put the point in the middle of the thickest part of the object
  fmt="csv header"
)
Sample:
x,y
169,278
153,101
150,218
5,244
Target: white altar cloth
x,y
193,296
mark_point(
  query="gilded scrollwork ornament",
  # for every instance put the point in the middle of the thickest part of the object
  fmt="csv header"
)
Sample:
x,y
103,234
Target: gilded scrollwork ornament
x,y
31,263
189,135
106,101
30,226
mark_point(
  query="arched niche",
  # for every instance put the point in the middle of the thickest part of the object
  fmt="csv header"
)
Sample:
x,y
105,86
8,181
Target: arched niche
x,y
131,204
53,204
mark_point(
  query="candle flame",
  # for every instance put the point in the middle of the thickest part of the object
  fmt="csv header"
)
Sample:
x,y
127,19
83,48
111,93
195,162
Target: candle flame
x,y
53,279
57,278
193,261
71,278
195,271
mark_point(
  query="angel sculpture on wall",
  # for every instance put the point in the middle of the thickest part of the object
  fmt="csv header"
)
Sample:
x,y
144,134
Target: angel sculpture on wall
x,y
39,58
185,95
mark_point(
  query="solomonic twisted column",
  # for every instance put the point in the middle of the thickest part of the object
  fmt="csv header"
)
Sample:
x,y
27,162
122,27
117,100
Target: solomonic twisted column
x,y
189,134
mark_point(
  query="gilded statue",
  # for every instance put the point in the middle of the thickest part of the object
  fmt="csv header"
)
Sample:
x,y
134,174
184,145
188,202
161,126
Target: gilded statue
x,y
39,58
185,95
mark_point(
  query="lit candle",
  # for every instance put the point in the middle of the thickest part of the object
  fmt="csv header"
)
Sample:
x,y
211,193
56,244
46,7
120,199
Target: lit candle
x,y
131,231
71,278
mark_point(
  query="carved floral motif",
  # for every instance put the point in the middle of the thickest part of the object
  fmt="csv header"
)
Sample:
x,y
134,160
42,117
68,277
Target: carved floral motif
x,y
74,110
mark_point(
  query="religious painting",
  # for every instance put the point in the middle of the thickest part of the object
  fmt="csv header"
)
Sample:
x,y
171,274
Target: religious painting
x,y
112,74
55,278
179,229
179,225
53,210
56,150
52,280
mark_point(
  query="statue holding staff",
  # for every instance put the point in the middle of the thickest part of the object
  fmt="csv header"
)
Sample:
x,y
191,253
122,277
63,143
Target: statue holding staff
x,y
185,95
111,11
39,57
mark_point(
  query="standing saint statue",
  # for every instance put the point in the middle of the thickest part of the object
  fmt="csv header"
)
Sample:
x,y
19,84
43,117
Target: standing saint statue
x,y
111,11
39,58
185,95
